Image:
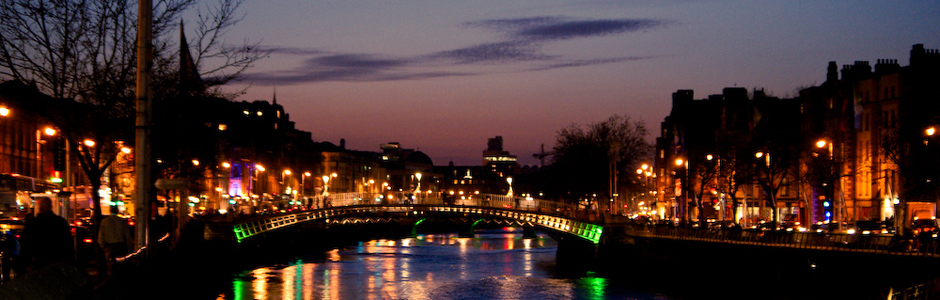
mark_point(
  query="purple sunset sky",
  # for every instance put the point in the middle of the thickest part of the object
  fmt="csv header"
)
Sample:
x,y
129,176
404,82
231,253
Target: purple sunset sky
x,y
443,76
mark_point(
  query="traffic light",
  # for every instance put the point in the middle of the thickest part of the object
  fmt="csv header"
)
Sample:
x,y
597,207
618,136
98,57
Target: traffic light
x,y
58,155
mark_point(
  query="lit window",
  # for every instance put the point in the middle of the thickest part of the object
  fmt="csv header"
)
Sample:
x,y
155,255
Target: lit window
x,y
222,127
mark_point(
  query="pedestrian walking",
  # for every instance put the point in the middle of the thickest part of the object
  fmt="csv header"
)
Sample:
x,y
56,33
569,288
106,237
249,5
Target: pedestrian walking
x,y
46,238
114,236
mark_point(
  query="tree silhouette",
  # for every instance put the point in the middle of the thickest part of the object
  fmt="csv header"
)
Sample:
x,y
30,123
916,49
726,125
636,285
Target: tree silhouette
x,y
589,159
83,54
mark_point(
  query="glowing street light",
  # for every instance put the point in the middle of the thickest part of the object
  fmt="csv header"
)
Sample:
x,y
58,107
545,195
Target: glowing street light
x,y
303,184
4,111
509,180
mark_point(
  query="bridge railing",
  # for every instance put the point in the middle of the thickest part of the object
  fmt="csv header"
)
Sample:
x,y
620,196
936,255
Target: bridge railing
x,y
481,200
872,243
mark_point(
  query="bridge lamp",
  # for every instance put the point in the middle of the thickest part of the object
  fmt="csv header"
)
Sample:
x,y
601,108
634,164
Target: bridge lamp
x,y
4,111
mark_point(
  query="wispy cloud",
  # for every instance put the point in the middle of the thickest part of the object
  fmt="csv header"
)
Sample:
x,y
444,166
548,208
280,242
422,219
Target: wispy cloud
x,y
561,28
523,41
587,62
501,52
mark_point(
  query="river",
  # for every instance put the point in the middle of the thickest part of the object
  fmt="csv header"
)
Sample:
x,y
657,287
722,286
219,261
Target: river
x,y
495,264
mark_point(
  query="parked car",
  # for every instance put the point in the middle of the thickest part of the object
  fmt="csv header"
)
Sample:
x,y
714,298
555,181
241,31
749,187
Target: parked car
x,y
84,244
10,230
924,225
868,227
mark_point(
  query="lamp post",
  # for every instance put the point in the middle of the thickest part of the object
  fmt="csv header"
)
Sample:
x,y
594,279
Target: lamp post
x,y
257,181
48,131
417,187
830,209
287,186
683,165
509,180
303,185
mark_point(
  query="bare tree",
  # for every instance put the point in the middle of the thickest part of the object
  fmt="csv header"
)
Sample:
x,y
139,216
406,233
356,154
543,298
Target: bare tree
x,y
589,158
83,54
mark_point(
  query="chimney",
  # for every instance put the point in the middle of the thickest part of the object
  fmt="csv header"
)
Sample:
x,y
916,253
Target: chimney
x,y
887,66
832,74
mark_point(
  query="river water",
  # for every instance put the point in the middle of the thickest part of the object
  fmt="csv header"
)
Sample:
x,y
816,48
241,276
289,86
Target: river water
x,y
495,264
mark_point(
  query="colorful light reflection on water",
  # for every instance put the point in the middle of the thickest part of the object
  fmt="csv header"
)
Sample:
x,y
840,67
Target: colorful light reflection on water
x,y
498,264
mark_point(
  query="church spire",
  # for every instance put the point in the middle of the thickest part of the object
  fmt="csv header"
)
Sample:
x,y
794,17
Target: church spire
x,y
190,82
274,97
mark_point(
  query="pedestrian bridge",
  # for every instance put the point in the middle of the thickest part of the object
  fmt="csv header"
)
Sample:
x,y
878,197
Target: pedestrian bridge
x,y
558,220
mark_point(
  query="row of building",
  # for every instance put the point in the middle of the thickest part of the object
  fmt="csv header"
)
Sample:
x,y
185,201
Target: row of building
x,y
231,155
859,146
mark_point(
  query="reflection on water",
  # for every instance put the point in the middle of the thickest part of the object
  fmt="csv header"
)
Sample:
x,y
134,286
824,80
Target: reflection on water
x,y
497,264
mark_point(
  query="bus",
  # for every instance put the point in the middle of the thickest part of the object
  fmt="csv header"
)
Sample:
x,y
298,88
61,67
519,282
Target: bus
x,y
17,191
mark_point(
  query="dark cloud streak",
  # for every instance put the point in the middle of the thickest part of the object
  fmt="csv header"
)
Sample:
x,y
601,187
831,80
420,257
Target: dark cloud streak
x,y
524,39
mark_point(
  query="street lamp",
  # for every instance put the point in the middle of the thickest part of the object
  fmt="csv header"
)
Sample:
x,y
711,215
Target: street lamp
x,y
303,185
684,165
287,188
258,168
828,204
509,180
417,187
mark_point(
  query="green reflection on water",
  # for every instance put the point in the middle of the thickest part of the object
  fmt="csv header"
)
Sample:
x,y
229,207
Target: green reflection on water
x,y
593,287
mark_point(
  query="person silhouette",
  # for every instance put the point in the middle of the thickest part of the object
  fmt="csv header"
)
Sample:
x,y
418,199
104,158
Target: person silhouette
x,y
115,237
46,238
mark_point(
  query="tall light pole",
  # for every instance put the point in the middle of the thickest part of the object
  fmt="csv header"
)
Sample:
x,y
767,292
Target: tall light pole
x,y
142,163
683,181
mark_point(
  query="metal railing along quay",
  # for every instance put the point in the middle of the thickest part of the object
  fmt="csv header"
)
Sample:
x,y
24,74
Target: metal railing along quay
x,y
869,243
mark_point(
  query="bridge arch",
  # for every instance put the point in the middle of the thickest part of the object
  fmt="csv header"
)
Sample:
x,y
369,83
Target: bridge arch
x,y
558,227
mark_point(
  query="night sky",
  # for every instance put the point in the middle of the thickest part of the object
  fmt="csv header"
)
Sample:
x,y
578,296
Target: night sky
x,y
443,76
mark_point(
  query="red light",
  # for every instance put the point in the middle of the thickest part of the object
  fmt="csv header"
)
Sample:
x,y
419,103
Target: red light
x,y
87,241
